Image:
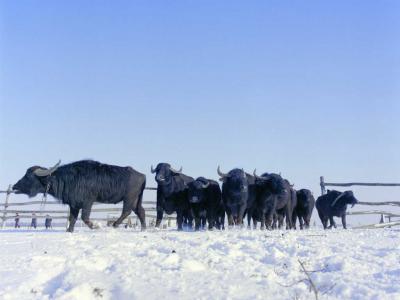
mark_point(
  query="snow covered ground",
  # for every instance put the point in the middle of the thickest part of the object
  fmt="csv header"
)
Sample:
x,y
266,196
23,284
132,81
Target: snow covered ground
x,y
166,264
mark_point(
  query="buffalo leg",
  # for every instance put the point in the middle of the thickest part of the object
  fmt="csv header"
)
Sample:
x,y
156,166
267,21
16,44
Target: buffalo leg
x,y
344,221
86,216
126,211
249,215
221,220
280,221
262,227
230,220
301,222
270,220
179,219
142,216
211,219
73,215
160,213
324,220
307,222
288,216
294,220
242,210
332,222
197,223
197,218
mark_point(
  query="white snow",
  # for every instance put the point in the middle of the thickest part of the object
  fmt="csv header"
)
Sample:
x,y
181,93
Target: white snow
x,y
233,264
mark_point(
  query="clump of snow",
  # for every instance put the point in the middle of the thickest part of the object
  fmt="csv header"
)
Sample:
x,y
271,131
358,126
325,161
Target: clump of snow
x,y
232,264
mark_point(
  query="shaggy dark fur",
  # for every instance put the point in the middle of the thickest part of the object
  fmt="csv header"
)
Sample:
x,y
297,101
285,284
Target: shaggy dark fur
x,y
172,194
82,183
238,194
275,199
205,201
304,208
327,207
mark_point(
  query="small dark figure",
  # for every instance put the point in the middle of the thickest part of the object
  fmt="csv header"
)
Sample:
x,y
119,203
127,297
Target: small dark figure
x,y
34,221
47,222
17,221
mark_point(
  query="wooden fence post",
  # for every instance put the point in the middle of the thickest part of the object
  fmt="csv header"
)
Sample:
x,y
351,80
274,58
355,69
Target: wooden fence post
x,y
6,205
322,184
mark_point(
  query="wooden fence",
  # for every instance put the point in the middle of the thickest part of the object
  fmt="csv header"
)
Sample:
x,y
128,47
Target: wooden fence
x,y
8,210
63,213
384,214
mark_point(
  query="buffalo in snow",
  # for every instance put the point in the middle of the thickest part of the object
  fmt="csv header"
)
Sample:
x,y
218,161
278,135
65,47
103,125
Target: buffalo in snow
x,y
334,204
80,184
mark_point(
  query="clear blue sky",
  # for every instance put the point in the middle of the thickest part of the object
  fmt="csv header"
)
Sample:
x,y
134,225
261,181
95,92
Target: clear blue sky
x,y
306,88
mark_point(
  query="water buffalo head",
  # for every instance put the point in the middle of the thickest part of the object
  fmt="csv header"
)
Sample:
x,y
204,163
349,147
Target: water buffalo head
x,y
347,198
32,183
236,182
164,173
197,190
274,183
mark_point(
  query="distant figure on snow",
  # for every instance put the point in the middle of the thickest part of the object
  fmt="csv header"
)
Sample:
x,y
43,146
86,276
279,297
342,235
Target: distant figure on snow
x,y
34,221
47,222
17,220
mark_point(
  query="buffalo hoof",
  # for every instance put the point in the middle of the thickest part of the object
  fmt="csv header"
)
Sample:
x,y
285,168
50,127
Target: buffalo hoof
x,y
70,230
94,226
115,225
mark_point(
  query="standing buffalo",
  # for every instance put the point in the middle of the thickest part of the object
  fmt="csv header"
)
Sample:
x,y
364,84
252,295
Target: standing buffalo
x,y
304,208
206,202
238,194
82,183
172,193
334,204
275,200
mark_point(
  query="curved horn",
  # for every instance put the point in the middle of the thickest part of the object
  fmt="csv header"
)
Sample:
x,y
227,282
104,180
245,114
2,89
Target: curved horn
x,y
46,172
205,185
152,169
220,173
173,170
337,198
255,174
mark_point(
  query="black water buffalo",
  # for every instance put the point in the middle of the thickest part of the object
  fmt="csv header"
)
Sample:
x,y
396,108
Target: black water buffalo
x,y
275,200
334,204
238,194
172,193
80,184
206,203
304,208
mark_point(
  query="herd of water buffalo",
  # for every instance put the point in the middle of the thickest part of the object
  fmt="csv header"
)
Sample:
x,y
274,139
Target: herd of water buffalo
x,y
268,198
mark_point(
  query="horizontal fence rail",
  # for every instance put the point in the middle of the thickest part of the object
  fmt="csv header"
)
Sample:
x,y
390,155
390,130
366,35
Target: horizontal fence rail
x,y
57,203
324,184
373,212
12,192
63,213
393,203
361,184
113,212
